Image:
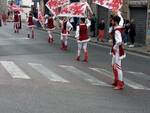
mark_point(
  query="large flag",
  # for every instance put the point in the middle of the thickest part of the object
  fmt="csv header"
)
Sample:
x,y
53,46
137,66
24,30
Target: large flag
x,y
15,7
75,9
53,4
55,11
113,5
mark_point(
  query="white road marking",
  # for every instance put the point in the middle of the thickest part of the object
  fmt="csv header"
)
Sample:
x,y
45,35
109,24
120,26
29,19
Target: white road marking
x,y
127,81
47,73
140,74
14,70
14,38
85,76
139,55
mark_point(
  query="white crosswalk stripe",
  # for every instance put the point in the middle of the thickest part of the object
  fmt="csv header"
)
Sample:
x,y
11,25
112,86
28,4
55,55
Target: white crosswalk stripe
x,y
139,74
83,75
17,73
14,70
48,73
15,38
127,81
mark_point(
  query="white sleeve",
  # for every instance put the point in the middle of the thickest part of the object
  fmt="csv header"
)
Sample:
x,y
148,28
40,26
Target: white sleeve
x,y
88,22
27,19
118,39
53,17
46,21
35,18
69,26
72,20
121,19
77,32
60,21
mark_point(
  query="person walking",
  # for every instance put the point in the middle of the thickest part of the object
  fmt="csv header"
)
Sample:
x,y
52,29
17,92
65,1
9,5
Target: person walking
x,y
101,31
132,33
4,18
16,22
65,31
93,25
31,25
117,54
82,38
50,27
126,31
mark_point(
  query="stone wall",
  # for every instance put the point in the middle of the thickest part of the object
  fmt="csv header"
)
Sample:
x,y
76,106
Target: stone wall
x,y
125,9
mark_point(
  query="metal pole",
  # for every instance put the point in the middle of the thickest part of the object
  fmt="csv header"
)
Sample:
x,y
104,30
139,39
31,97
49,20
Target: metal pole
x,y
148,23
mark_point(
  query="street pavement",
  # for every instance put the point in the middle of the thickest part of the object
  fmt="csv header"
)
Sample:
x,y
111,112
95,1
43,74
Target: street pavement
x,y
139,48
38,77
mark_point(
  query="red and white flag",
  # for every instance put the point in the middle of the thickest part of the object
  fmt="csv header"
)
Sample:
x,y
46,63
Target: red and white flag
x,y
55,11
113,5
53,4
15,7
76,9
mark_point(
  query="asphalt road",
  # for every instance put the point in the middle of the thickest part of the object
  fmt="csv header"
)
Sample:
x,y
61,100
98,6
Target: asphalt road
x,y
37,77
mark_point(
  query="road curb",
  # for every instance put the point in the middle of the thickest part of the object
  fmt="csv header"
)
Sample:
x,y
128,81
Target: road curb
x,y
107,45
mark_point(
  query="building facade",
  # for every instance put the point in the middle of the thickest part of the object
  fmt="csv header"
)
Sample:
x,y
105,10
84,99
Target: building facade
x,y
139,10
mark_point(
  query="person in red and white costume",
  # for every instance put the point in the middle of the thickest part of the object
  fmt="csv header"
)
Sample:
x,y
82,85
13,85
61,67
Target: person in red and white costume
x,y
16,21
82,38
30,22
117,53
49,22
66,27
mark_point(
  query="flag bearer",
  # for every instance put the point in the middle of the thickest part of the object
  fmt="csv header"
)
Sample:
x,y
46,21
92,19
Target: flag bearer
x,y
82,38
117,54
16,22
31,25
65,31
50,27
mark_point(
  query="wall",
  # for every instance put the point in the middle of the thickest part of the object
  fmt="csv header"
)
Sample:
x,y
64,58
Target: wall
x,y
3,4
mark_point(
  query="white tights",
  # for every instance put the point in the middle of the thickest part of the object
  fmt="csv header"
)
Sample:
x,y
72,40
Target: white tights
x,y
64,38
49,34
80,45
116,63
